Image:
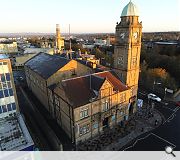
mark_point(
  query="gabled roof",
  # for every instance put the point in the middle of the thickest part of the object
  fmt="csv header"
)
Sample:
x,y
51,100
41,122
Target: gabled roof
x,y
46,65
96,82
78,91
81,90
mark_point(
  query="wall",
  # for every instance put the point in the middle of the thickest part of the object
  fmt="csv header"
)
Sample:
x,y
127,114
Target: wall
x,y
38,86
118,110
67,71
20,60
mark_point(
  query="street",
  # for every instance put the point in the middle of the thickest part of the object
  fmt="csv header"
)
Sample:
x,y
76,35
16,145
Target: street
x,y
168,134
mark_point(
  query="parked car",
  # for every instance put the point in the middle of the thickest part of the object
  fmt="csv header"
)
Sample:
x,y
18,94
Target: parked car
x,y
154,97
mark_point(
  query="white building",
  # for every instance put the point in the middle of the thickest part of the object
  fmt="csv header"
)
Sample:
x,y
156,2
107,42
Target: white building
x,y
8,47
14,135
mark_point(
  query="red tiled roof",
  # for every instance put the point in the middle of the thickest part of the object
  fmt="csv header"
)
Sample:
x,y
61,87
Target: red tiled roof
x,y
80,91
118,85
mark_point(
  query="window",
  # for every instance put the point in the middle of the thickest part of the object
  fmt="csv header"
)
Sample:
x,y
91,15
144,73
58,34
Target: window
x,y
6,93
124,97
2,78
134,61
1,94
9,107
7,77
1,110
121,61
4,108
95,125
56,101
83,113
10,92
84,129
13,106
106,105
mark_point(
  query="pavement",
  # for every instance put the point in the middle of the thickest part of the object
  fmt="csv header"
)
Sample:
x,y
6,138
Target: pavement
x,y
167,134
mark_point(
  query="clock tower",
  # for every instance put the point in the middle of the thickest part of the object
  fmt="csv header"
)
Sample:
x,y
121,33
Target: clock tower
x,y
128,47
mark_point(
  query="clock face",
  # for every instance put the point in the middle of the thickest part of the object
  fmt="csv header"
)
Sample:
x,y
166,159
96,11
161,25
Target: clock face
x,y
135,35
120,61
122,35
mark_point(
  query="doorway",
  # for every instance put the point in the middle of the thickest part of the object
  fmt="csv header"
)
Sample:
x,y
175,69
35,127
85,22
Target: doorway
x,y
105,122
131,108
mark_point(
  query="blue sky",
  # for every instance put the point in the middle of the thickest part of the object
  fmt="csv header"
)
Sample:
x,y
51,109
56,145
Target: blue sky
x,y
85,16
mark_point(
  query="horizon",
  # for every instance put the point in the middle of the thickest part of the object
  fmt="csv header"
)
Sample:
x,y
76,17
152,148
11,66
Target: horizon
x,y
92,16
53,33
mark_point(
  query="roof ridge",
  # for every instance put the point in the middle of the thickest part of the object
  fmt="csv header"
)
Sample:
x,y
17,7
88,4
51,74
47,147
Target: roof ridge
x,y
94,74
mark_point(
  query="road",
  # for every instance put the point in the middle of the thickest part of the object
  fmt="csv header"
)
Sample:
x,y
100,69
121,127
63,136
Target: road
x,y
38,137
168,134
43,136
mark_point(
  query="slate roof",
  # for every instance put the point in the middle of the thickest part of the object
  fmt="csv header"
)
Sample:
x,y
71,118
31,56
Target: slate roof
x,y
81,90
46,65
96,82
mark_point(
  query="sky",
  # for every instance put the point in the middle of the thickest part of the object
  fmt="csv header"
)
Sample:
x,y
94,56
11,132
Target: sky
x,y
85,16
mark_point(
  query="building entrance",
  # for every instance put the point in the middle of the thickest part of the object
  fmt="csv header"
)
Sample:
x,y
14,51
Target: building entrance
x,y
131,109
106,122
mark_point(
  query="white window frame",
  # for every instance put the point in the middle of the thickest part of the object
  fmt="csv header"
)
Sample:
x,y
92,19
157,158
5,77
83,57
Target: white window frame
x,y
84,112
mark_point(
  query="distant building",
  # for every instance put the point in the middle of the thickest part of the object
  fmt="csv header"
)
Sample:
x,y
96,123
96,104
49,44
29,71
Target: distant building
x,y
89,59
7,47
21,59
88,46
59,40
100,42
13,131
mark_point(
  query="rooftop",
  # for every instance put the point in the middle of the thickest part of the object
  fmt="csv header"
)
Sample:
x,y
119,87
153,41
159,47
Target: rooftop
x,y
46,65
82,89
3,56
130,10
6,42
14,135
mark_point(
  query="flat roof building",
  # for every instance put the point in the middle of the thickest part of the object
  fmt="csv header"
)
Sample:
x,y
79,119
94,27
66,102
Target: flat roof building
x,y
14,135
